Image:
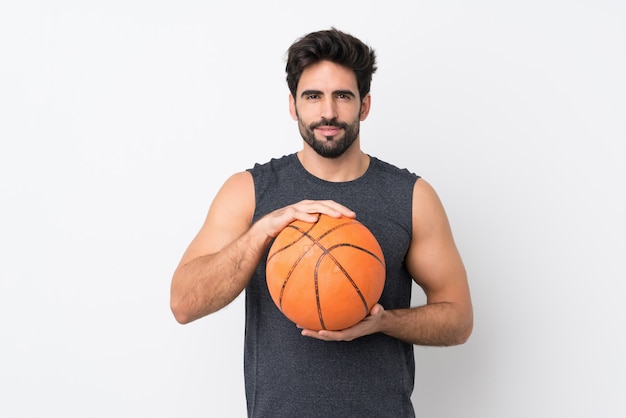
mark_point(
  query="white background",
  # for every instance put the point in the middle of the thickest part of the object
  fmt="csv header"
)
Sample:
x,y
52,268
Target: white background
x,y
119,120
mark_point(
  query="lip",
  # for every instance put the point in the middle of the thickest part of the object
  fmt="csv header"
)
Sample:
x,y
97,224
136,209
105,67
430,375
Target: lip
x,y
328,130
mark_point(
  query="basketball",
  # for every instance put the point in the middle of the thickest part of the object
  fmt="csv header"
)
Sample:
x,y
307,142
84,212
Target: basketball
x,y
327,274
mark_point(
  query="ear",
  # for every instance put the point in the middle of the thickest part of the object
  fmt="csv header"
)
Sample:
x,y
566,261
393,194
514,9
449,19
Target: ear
x,y
292,107
366,104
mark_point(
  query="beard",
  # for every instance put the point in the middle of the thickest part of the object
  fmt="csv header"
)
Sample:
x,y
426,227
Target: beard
x,y
332,146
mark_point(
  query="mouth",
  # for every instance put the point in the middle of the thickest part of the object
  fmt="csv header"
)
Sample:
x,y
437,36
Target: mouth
x,y
328,130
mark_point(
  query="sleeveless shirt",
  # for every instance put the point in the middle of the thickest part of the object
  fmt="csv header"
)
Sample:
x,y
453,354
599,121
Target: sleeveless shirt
x,y
288,375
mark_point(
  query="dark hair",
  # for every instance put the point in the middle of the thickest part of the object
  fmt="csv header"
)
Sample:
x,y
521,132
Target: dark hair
x,y
335,46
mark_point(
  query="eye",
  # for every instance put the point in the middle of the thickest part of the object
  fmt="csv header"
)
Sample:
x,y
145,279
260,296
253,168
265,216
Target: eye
x,y
312,96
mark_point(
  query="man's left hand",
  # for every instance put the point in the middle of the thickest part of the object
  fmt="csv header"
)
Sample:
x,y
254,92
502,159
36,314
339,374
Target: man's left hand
x,y
369,325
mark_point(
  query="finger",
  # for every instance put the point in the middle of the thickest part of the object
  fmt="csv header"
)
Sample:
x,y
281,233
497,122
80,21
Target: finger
x,y
327,207
337,210
320,335
376,309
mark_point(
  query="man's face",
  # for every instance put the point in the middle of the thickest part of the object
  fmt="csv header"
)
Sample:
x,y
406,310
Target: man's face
x,y
328,108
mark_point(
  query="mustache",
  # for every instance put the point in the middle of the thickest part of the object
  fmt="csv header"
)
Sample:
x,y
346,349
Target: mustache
x,y
328,122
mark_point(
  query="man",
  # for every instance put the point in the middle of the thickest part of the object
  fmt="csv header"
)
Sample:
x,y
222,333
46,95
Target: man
x,y
368,369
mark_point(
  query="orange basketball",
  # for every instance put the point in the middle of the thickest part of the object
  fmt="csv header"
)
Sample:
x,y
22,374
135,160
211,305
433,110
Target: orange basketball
x,y
327,274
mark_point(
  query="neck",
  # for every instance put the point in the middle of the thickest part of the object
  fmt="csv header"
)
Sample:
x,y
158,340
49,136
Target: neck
x,y
349,166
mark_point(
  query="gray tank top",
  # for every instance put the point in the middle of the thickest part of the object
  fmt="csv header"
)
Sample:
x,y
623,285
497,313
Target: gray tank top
x,y
288,375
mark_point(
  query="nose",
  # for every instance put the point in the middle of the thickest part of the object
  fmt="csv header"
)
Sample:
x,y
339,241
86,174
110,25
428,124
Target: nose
x,y
328,108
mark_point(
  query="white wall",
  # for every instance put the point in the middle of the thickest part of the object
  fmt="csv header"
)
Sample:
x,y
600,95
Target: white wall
x,y
119,120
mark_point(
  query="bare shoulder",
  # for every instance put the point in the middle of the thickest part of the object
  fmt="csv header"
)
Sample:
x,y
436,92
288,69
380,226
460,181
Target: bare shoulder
x,y
428,211
236,194
229,215
433,258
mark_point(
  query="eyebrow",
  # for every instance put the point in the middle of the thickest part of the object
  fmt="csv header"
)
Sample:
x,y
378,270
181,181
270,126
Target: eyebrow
x,y
319,92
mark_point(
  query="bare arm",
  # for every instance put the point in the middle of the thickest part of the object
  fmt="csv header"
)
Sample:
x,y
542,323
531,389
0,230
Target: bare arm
x,y
221,259
435,264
